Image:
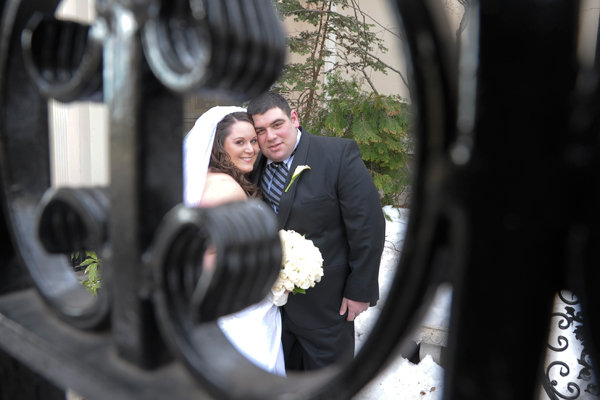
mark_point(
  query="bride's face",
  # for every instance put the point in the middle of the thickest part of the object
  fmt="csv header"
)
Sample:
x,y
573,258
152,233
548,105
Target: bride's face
x,y
242,146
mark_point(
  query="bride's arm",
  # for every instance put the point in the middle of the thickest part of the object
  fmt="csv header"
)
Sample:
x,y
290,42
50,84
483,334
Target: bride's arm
x,y
219,189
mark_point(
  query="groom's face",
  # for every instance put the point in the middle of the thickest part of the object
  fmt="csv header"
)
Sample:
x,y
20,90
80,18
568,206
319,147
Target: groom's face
x,y
276,133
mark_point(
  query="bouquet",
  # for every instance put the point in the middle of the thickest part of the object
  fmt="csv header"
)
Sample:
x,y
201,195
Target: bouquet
x,y
302,266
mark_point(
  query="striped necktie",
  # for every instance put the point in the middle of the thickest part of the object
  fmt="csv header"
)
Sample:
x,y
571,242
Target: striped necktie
x,y
273,183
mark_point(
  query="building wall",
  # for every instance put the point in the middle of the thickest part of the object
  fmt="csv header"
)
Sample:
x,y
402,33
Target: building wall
x,y
386,25
384,17
79,135
78,131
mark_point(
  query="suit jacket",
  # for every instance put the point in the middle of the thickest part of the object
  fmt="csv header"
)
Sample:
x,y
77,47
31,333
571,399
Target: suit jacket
x,y
337,206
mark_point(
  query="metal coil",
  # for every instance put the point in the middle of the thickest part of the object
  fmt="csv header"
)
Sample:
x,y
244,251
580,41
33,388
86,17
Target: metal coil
x,y
235,46
64,58
248,259
73,219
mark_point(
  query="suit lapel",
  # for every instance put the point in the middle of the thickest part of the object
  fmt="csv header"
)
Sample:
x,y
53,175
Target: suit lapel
x,y
287,198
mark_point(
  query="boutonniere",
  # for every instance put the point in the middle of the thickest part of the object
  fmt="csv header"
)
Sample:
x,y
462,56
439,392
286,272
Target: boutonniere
x,y
297,173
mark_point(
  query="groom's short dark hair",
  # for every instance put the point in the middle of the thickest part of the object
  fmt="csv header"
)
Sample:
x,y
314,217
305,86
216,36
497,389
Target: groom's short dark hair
x,y
264,102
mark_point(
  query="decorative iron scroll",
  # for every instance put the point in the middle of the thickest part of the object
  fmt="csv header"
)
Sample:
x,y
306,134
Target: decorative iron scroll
x,y
568,365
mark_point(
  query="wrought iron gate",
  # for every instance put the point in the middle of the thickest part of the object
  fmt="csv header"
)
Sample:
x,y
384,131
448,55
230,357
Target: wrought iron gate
x,y
505,198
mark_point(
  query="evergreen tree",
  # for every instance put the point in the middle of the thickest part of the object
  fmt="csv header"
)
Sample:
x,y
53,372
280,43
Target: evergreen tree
x,y
335,96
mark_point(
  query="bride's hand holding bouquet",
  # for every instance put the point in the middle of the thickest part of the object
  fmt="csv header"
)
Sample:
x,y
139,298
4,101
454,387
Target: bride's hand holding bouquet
x,y
302,266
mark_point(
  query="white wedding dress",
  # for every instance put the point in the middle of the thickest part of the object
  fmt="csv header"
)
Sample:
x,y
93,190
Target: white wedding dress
x,y
256,330
256,333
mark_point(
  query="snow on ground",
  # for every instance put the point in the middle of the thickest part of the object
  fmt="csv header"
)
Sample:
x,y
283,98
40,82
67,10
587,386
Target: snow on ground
x,y
395,229
401,379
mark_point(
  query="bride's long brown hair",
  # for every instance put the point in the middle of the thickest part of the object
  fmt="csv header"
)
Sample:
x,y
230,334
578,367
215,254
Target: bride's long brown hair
x,y
220,161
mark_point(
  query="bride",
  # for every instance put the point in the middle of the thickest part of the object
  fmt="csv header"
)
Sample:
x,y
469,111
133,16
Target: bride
x,y
219,152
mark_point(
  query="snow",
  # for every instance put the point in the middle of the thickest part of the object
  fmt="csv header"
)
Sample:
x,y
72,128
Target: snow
x,y
407,381
401,378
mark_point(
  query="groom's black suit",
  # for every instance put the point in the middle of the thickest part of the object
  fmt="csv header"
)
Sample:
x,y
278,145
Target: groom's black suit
x,y
336,205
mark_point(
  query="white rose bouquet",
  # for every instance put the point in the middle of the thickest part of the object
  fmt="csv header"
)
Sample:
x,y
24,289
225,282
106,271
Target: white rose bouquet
x,y
301,269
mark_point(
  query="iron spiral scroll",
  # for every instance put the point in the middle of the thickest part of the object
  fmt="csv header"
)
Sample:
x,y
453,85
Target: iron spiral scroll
x,y
568,369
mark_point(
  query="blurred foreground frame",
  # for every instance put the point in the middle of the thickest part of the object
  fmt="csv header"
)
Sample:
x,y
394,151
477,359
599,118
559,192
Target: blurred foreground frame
x,y
495,138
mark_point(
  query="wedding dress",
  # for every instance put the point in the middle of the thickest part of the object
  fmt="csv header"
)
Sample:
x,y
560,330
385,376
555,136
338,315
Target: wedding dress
x,y
256,333
256,330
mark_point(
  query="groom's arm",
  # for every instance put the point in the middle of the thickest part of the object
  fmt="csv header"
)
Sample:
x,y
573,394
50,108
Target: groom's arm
x,y
353,308
365,227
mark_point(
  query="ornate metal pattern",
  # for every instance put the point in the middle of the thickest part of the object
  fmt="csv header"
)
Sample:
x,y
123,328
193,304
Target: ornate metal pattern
x,y
568,365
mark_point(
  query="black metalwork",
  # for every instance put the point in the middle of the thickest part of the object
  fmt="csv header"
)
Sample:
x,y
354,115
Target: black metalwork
x,y
64,58
73,219
568,366
494,139
154,318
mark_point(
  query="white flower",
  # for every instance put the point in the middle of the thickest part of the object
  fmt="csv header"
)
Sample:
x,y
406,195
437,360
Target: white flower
x,y
302,266
296,174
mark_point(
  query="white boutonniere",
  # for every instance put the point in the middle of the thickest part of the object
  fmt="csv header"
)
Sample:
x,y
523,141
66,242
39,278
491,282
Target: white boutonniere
x,y
297,173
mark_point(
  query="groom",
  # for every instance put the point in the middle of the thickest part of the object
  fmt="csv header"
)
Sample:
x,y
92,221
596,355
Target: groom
x,y
335,204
